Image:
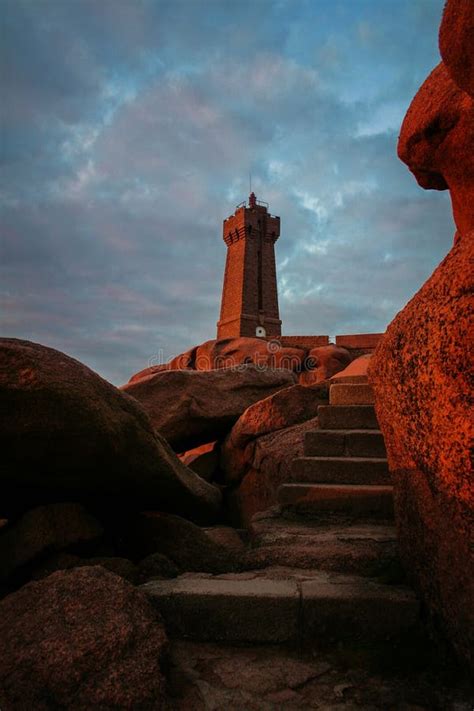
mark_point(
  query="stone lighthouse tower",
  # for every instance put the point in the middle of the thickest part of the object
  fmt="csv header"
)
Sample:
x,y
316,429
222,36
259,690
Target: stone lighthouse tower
x,y
249,296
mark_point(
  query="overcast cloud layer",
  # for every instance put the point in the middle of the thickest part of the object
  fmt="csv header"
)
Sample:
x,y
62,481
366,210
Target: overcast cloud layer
x,y
129,130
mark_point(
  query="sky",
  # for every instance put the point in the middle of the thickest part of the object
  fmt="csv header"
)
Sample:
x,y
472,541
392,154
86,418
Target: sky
x,y
128,132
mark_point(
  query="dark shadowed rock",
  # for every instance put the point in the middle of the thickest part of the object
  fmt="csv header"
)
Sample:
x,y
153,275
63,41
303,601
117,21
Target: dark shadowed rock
x,y
456,42
183,543
190,408
80,639
69,435
204,460
157,565
65,561
323,362
225,536
45,528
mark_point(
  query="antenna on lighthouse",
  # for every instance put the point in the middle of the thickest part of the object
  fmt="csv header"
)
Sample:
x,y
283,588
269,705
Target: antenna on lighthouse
x,y
250,182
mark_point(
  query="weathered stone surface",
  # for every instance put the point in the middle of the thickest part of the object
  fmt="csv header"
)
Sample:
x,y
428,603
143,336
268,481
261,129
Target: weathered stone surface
x,y
351,394
275,678
231,352
225,536
367,549
45,528
265,463
436,142
263,608
190,408
204,460
255,610
357,501
184,361
456,42
68,435
157,565
285,408
183,543
65,561
80,639
355,372
420,373
324,362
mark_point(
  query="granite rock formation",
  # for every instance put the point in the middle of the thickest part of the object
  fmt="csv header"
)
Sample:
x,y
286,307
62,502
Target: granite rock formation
x,y
68,435
422,369
311,364
190,408
81,639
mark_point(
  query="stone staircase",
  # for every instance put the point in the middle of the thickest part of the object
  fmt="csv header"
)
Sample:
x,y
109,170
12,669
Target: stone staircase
x,y
323,565
344,469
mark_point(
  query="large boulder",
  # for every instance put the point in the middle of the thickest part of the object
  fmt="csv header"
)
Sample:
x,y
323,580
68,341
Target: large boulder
x,y
422,369
183,543
81,639
46,528
190,408
323,362
284,409
68,435
265,464
423,395
230,353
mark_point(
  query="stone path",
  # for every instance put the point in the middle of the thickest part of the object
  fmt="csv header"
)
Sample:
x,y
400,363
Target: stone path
x,y
322,584
212,677
323,564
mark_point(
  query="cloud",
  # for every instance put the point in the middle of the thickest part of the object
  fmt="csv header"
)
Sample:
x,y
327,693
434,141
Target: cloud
x,y
130,131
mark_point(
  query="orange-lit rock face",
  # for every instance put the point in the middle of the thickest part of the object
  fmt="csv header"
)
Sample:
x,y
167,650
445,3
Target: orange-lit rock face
x,y
436,142
456,42
421,375
324,362
422,369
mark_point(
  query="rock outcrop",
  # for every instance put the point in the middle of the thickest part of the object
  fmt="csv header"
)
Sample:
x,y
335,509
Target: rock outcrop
x,y
81,639
324,362
422,369
190,408
284,409
311,365
46,528
265,463
187,546
68,435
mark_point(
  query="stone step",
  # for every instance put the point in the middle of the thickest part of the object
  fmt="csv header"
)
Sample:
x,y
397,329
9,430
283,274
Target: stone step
x,y
351,394
255,607
347,417
357,501
340,470
344,443
367,549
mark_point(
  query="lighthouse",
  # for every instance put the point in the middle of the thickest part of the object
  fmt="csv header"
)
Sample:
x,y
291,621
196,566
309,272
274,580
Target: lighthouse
x,y
249,305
